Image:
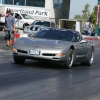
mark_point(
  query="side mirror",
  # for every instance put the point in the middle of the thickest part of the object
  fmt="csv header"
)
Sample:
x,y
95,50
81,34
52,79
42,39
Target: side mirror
x,y
83,41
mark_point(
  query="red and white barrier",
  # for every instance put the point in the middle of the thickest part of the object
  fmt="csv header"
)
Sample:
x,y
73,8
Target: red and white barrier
x,y
95,39
19,35
16,36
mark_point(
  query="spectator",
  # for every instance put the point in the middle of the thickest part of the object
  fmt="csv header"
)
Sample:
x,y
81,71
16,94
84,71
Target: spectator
x,y
53,25
17,3
9,28
88,28
74,27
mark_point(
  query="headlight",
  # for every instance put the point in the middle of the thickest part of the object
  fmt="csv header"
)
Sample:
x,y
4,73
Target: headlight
x,y
60,54
14,49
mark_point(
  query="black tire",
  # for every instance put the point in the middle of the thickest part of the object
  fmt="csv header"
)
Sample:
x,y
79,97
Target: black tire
x,y
89,58
25,26
83,63
19,60
70,59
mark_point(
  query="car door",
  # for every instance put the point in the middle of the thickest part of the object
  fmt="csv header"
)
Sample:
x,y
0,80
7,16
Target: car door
x,y
86,46
19,21
79,47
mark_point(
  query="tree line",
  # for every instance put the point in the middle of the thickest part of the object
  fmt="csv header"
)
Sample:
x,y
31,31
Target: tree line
x,y
86,14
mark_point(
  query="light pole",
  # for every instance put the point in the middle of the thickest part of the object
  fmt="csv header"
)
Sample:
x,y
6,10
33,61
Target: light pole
x,y
97,19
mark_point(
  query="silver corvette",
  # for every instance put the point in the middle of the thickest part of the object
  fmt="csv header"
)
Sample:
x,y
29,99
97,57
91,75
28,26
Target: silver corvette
x,y
63,46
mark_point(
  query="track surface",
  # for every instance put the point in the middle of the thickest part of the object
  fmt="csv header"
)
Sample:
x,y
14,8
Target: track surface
x,y
34,81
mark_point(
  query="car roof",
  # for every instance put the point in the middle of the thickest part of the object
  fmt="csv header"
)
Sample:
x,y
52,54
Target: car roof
x,y
44,21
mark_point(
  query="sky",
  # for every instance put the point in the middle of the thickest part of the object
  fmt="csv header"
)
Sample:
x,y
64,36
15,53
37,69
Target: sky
x,y
77,6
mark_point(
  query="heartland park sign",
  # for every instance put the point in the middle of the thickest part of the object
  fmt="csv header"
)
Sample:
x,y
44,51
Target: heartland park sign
x,y
30,11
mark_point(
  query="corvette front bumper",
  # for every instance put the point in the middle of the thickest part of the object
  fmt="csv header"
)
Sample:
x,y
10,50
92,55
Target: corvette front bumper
x,y
41,56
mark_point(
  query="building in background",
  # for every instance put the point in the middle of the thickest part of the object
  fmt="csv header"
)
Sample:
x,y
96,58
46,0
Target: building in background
x,y
39,9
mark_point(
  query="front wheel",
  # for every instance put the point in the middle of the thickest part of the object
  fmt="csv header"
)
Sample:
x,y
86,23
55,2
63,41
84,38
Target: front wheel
x,y
19,60
70,59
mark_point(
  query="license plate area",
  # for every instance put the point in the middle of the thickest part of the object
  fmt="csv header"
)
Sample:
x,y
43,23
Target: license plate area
x,y
34,52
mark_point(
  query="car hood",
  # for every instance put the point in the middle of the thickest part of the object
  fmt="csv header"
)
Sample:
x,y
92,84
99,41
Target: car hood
x,y
41,43
29,21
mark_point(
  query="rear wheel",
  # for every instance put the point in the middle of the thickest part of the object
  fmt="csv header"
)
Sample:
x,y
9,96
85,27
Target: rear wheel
x,y
70,59
19,60
90,58
23,27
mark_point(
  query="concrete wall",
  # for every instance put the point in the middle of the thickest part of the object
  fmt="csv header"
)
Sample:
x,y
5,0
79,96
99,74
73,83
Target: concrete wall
x,y
56,14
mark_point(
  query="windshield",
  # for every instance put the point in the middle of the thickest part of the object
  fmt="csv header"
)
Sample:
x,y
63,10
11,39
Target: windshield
x,y
43,23
57,35
26,16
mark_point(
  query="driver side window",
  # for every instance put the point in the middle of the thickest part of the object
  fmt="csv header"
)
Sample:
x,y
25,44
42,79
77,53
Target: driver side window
x,y
17,16
76,37
79,37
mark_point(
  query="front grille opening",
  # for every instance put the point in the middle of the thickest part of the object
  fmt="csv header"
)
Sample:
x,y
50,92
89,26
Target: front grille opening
x,y
31,28
48,54
22,51
56,58
36,28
